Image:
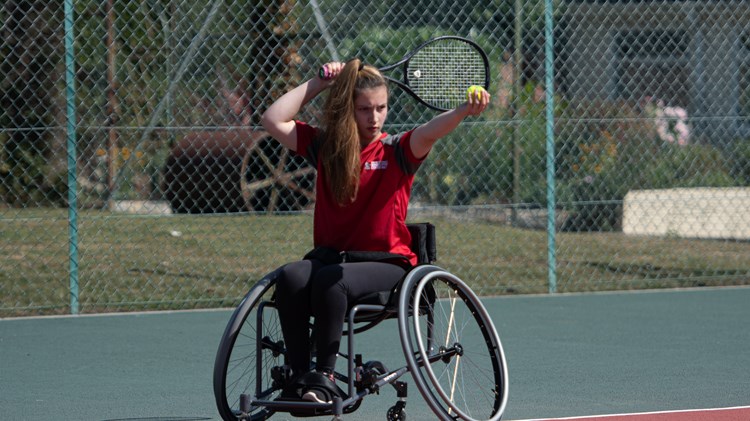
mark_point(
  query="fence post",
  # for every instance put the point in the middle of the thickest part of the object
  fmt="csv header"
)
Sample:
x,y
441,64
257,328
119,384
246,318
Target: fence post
x,y
70,105
549,71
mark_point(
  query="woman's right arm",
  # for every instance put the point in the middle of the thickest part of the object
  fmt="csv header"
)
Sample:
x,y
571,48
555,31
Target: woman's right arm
x,y
278,120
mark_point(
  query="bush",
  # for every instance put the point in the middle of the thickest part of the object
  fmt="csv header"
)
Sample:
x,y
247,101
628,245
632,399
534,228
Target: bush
x,y
474,165
738,157
599,147
688,166
620,148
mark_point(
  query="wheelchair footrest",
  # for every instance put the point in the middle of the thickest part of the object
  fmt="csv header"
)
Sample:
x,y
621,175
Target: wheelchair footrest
x,y
304,409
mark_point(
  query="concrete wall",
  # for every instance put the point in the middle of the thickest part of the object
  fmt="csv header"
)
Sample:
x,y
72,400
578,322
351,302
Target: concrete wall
x,y
721,213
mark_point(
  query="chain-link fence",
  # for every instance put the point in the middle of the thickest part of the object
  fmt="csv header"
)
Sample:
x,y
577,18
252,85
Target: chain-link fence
x,y
615,154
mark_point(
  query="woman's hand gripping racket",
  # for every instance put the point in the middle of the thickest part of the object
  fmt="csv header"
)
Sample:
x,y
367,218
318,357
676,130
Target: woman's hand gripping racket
x,y
439,72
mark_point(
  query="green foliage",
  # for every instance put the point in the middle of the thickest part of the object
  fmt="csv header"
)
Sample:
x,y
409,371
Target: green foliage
x,y
687,166
613,149
29,59
471,166
738,156
474,165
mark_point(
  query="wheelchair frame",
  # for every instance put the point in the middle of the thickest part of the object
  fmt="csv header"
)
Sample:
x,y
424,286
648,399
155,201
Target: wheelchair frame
x,y
416,291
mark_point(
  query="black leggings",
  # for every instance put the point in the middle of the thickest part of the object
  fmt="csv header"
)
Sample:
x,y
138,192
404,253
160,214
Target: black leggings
x,y
309,288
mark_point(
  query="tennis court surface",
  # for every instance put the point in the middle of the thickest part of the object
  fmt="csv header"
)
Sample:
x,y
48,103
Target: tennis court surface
x,y
662,355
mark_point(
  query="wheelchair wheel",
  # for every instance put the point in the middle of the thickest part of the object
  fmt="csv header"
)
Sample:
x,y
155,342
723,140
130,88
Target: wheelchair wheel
x,y
251,345
451,346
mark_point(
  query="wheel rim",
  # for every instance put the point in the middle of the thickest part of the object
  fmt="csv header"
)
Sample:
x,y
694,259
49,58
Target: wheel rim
x,y
276,179
461,326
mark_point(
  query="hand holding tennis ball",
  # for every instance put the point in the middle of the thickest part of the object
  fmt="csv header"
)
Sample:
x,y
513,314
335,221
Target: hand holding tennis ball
x,y
474,89
477,100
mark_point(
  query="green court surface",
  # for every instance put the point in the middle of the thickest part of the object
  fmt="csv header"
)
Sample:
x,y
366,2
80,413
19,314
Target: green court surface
x,y
568,355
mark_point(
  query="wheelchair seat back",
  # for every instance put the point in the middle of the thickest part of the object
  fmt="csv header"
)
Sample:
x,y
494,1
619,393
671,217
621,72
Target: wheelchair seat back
x,y
423,242
424,245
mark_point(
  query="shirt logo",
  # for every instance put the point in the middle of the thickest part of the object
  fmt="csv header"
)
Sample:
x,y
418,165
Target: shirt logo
x,y
376,165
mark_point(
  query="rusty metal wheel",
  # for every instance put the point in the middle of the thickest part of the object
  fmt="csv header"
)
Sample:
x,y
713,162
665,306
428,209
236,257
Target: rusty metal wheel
x,y
274,180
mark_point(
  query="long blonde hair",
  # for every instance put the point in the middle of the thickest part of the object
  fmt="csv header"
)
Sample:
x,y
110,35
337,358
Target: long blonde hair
x,y
339,153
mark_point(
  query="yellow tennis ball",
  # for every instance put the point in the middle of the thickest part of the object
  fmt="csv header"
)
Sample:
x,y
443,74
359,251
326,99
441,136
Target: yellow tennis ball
x,y
474,88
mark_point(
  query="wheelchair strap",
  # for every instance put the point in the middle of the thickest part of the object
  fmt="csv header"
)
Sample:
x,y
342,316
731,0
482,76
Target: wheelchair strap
x,y
423,245
331,256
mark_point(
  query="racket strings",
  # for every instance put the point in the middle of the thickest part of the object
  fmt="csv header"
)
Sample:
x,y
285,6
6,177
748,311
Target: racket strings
x,y
441,72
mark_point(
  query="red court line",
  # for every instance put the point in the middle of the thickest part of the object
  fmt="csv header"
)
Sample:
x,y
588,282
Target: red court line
x,y
739,413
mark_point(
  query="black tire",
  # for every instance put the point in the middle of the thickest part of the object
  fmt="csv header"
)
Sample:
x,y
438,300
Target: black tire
x,y
251,345
396,414
466,374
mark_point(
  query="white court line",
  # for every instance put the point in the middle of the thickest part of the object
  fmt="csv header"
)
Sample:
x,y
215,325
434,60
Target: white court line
x,y
638,414
119,314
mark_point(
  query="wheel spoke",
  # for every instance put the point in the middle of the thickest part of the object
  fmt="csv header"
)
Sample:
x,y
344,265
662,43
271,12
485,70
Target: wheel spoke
x,y
450,321
455,375
274,180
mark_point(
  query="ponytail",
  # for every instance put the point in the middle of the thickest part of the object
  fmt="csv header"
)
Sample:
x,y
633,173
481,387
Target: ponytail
x,y
341,147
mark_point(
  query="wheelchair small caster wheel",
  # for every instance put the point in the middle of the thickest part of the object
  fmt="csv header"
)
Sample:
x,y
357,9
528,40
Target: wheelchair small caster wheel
x,y
396,413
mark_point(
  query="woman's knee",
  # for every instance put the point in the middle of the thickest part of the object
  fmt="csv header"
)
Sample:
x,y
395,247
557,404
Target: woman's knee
x,y
328,287
294,279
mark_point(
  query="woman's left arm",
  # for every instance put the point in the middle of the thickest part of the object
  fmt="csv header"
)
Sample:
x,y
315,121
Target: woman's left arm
x,y
428,133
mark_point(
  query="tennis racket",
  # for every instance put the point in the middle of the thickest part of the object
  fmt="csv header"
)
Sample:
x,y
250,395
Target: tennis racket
x,y
438,72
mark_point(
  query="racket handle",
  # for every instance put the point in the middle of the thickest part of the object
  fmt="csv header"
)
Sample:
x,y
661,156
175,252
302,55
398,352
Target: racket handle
x,y
323,73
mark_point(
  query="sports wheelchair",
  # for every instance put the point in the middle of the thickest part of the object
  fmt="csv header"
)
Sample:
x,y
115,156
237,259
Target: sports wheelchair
x,y
450,345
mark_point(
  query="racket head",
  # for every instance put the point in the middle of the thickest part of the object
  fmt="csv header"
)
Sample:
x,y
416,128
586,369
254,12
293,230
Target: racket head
x,y
438,72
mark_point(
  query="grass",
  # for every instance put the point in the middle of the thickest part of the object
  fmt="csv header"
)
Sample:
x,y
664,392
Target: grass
x,y
131,263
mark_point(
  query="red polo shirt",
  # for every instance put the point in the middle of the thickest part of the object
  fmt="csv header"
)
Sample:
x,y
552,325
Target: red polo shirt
x,y
376,220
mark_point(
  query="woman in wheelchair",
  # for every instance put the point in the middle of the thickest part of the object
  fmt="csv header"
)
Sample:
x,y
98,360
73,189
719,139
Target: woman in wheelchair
x,y
362,191
362,246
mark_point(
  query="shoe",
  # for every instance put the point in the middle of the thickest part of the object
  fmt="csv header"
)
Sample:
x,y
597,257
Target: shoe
x,y
320,387
316,395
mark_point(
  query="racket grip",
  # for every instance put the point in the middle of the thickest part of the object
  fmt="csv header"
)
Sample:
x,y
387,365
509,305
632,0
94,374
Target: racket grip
x,y
323,73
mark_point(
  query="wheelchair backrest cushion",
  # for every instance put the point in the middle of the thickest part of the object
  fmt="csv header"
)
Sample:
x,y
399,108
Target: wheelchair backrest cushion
x,y
423,242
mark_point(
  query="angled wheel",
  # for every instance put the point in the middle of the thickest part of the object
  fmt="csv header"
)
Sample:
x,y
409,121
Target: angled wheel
x,y
251,345
451,346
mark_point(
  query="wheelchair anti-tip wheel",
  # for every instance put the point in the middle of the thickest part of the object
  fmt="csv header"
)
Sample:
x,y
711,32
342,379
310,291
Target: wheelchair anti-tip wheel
x,y
451,347
251,346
